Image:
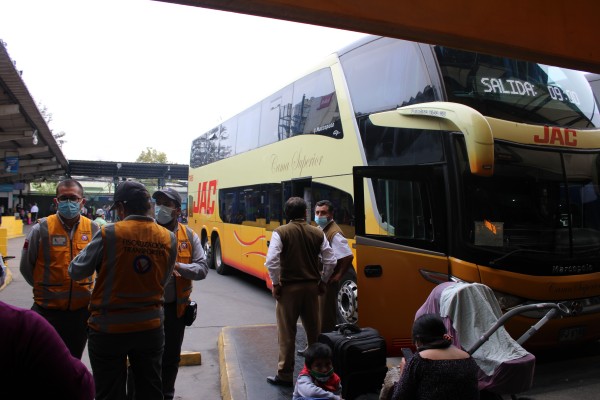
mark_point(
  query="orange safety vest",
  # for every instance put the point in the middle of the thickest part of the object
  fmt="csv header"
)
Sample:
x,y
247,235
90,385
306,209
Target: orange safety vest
x,y
136,265
183,286
53,287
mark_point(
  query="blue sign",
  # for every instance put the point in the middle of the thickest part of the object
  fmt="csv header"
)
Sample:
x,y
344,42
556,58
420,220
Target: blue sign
x,y
11,164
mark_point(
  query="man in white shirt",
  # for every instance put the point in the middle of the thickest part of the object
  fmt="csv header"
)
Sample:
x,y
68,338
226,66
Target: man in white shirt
x,y
328,302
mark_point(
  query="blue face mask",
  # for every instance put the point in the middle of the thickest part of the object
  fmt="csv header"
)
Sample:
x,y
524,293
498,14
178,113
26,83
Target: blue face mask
x,y
163,214
321,221
68,209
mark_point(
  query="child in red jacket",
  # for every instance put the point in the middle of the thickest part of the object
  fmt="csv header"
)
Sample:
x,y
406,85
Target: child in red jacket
x,y
317,379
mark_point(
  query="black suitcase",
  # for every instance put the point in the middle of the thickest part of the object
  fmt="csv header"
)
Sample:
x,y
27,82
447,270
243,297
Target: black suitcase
x,y
359,358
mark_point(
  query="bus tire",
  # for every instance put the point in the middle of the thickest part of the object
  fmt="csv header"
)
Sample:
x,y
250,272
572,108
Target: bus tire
x,y
220,266
208,252
347,299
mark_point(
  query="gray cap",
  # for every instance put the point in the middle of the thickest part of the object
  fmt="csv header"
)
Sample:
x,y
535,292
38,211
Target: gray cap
x,y
129,191
171,194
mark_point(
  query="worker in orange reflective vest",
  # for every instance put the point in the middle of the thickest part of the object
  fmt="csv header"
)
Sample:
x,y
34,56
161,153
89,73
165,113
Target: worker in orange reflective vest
x,y
134,259
47,251
191,265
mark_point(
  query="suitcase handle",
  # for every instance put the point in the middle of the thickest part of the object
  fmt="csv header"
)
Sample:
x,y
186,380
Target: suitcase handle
x,y
347,328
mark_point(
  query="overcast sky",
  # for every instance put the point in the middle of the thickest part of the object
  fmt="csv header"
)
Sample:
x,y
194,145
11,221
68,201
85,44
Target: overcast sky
x,y
122,75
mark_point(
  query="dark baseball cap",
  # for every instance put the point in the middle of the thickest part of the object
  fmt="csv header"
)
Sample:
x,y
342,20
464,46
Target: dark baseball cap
x,y
170,193
129,191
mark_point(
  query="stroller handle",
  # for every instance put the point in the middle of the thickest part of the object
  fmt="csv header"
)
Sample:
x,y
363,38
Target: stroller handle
x,y
555,308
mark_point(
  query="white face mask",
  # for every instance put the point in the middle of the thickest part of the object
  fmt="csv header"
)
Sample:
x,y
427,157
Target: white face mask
x,y
163,214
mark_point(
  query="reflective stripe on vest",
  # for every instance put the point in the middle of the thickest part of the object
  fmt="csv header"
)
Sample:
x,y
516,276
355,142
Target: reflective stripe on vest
x,y
183,286
53,287
135,269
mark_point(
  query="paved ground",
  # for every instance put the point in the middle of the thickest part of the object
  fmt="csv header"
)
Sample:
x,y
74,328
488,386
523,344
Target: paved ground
x,y
237,359
246,353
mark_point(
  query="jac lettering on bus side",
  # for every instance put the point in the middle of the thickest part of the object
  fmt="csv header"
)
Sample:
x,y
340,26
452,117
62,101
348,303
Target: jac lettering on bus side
x,y
557,136
206,194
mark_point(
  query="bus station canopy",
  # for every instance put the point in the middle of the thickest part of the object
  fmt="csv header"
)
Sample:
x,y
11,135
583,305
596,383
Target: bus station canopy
x,y
557,32
27,148
29,151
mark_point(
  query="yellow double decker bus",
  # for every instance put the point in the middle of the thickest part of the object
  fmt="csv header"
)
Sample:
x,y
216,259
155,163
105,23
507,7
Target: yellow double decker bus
x,y
442,164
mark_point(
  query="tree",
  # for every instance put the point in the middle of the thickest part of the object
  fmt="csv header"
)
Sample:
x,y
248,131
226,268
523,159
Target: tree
x,y
46,188
151,155
47,115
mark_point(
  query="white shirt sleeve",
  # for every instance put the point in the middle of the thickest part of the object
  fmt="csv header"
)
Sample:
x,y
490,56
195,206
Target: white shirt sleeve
x,y
340,246
273,258
327,259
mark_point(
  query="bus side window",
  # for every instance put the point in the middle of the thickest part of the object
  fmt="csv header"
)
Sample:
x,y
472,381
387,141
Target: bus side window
x,y
404,209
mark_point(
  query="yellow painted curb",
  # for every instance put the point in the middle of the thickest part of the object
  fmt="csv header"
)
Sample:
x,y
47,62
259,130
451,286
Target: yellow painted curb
x,y
225,392
190,358
232,384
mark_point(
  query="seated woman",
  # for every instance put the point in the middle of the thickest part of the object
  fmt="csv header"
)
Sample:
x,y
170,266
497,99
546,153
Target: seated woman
x,y
438,370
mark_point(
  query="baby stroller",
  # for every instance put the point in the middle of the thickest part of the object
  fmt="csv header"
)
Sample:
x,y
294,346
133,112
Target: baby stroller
x,y
474,319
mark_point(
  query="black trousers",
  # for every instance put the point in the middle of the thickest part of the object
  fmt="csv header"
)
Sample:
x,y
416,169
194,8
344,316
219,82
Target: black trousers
x,y
70,325
174,331
108,357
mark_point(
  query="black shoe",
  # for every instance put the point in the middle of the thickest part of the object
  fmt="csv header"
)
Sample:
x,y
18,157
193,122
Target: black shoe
x,y
274,380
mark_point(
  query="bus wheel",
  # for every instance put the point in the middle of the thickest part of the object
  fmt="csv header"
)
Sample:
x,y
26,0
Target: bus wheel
x,y
220,266
208,253
347,299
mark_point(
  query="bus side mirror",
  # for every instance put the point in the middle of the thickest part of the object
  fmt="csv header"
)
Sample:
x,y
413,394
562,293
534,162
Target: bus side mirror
x,y
444,116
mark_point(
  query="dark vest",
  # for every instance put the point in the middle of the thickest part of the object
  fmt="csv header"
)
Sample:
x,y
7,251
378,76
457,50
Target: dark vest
x,y
331,229
301,246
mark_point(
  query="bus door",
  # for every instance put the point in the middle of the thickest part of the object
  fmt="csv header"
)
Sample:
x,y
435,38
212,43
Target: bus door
x,y
300,187
400,245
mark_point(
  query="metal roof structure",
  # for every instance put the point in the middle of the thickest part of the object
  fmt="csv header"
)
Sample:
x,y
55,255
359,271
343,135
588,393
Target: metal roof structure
x,y
92,169
28,150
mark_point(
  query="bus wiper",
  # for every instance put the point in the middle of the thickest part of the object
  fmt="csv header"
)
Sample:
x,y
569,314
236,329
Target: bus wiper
x,y
510,253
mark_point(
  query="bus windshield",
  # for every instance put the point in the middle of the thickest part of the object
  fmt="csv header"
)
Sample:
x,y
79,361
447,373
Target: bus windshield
x,y
537,202
518,91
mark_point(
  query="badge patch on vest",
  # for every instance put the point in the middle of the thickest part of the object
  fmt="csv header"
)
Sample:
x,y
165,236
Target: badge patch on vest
x,y
142,264
58,240
183,245
84,237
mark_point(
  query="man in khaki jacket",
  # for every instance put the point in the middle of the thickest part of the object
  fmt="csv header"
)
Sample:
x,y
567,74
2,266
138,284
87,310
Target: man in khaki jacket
x,y
294,269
